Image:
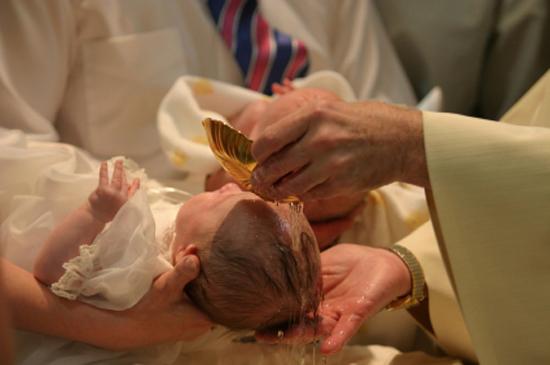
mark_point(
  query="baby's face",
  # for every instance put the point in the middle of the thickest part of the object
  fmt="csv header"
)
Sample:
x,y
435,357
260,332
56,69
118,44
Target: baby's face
x,y
200,218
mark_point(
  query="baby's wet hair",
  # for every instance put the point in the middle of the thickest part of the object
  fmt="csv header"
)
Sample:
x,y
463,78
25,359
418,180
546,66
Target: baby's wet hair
x,y
253,277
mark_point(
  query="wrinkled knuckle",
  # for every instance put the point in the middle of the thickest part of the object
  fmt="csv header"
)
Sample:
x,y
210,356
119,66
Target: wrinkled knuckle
x,y
344,162
269,169
335,165
320,142
326,105
318,110
290,187
263,143
329,186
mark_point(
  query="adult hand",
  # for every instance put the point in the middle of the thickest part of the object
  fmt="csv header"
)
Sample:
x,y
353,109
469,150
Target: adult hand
x,y
331,148
165,313
358,281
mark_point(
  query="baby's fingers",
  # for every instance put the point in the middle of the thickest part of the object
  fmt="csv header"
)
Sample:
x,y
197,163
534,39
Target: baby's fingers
x,y
134,187
277,88
284,88
288,83
118,175
103,174
124,186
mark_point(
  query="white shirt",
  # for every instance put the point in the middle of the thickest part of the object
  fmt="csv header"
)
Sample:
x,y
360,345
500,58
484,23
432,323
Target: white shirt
x,y
92,73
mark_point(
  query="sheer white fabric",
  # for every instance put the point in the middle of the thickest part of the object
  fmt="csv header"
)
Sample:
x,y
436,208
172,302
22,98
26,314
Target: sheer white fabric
x,y
118,268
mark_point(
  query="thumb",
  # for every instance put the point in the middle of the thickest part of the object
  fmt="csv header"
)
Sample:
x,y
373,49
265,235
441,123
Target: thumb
x,y
186,269
342,332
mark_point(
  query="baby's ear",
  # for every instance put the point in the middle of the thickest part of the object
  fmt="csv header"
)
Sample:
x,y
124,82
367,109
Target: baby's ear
x,y
183,251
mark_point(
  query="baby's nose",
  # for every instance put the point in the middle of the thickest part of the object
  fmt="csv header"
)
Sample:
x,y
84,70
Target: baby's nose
x,y
230,188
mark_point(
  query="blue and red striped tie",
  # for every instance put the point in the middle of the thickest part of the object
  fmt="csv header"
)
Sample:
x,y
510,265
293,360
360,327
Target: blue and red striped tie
x,y
265,55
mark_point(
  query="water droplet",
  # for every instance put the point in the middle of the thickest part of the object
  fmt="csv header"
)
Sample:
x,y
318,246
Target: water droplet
x,y
361,300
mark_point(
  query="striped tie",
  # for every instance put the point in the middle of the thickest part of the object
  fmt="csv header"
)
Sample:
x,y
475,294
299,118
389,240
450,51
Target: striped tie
x,y
264,54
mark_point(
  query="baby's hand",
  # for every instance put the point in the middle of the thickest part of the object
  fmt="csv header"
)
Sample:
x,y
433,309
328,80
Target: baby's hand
x,y
284,88
109,197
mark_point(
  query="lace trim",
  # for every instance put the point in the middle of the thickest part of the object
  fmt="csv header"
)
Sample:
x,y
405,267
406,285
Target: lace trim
x,y
77,270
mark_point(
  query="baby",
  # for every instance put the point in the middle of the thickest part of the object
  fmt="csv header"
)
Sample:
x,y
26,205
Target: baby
x,y
259,269
260,114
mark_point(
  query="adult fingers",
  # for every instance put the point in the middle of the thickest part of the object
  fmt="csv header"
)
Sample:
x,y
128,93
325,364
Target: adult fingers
x,y
280,134
186,269
329,188
283,163
302,181
346,327
103,174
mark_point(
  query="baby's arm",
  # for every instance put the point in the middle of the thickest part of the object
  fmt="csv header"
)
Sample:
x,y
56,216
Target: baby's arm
x,y
83,224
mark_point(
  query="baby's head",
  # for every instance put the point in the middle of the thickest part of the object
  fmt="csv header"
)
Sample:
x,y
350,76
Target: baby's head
x,y
257,269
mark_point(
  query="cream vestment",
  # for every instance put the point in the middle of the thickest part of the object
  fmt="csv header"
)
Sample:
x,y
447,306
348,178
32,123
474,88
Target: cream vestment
x,y
491,191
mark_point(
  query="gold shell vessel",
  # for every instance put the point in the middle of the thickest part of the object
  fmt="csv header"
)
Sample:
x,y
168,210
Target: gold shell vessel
x,y
232,150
